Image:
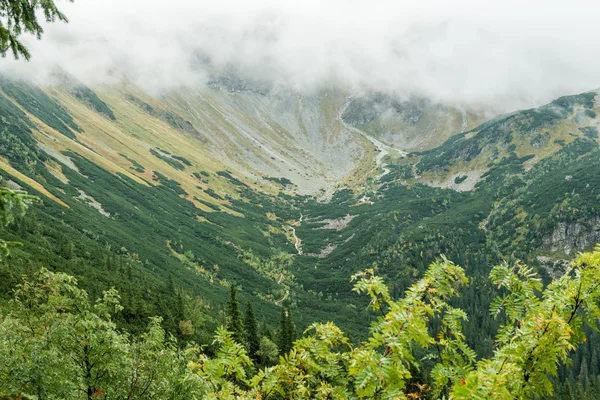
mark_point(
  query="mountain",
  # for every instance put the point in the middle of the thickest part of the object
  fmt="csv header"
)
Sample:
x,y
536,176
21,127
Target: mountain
x,y
411,124
171,198
286,193
533,134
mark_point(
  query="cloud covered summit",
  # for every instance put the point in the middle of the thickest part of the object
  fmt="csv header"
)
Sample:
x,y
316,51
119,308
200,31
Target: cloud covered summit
x,y
509,55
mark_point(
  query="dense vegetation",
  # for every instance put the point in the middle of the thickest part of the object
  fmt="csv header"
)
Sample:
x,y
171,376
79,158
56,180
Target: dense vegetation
x,y
173,258
56,343
115,288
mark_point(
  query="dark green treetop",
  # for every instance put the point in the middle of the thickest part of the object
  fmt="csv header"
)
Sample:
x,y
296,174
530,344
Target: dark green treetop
x,y
234,317
252,336
286,332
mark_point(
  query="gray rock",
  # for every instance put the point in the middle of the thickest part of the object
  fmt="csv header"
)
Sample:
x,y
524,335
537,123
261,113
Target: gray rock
x,y
569,236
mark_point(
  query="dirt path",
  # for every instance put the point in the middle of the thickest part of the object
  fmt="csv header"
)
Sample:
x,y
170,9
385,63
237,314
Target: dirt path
x,y
285,296
297,240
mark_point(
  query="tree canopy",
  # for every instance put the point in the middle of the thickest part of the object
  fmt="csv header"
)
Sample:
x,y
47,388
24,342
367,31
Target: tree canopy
x,y
21,16
55,344
13,203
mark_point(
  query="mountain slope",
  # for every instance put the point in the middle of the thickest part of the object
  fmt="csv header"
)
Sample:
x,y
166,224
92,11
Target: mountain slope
x,y
196,189
415,124
529,135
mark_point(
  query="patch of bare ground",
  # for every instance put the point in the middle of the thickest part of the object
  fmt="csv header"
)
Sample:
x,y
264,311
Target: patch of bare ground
x,y
337,224
324,252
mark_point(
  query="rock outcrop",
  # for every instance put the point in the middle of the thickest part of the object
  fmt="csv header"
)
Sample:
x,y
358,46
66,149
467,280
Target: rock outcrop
x,y
569,236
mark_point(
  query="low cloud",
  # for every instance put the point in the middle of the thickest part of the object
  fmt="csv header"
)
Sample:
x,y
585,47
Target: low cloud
x,y
506,55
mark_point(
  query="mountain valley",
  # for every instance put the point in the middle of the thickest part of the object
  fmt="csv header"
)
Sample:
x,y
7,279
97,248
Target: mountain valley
x,y
172,198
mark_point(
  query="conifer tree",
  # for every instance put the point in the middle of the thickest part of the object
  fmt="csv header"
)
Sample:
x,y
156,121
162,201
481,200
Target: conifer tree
x,y
170,285
266,331
18,17
291,329
594,367
584,375
234,317
281,340
252,336
180,308
286,332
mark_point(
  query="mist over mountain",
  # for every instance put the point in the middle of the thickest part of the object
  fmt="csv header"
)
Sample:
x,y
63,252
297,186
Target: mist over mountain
x,y
496,55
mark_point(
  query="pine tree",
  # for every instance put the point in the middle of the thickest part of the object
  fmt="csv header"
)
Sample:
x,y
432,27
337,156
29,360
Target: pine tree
x,y
65,247
281,336
291,329
594,366
584,376
252,336
129,272
234,317
180,308
593,391
170,285
286,332
266,331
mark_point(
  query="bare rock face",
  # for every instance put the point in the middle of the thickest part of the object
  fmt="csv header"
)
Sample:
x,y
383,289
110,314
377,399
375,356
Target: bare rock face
x,y
11,185
554,267
411,123
569,236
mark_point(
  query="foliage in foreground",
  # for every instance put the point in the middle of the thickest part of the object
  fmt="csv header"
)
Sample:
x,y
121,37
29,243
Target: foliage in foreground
x,y
55,343
13,203
20,16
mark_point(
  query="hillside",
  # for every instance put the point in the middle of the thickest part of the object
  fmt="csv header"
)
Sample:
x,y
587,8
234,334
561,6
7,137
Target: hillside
x,y
206,158
530,135
170,199
413,124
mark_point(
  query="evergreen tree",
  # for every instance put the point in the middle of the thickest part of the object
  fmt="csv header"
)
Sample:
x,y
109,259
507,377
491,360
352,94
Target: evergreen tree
x,y
286,332
234,317
170,285
18,17
584,376
67,249
593,391
265,331
252,337
291,329
281,340
180,309
594,367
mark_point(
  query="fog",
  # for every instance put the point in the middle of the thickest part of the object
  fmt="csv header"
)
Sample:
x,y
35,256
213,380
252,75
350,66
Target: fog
x,y
507,55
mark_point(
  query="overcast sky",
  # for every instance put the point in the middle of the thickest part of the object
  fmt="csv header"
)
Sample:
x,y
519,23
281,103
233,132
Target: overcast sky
x,y
507,54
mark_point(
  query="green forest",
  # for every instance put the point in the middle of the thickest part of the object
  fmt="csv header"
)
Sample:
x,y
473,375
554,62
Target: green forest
x,y
158,298
425,340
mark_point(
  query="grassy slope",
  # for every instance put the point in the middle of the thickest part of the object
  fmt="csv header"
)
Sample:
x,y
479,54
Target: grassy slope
x,y
148,207
530,135
159,211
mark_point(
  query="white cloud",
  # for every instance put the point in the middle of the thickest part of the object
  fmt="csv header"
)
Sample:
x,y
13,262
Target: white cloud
x,y
508,54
